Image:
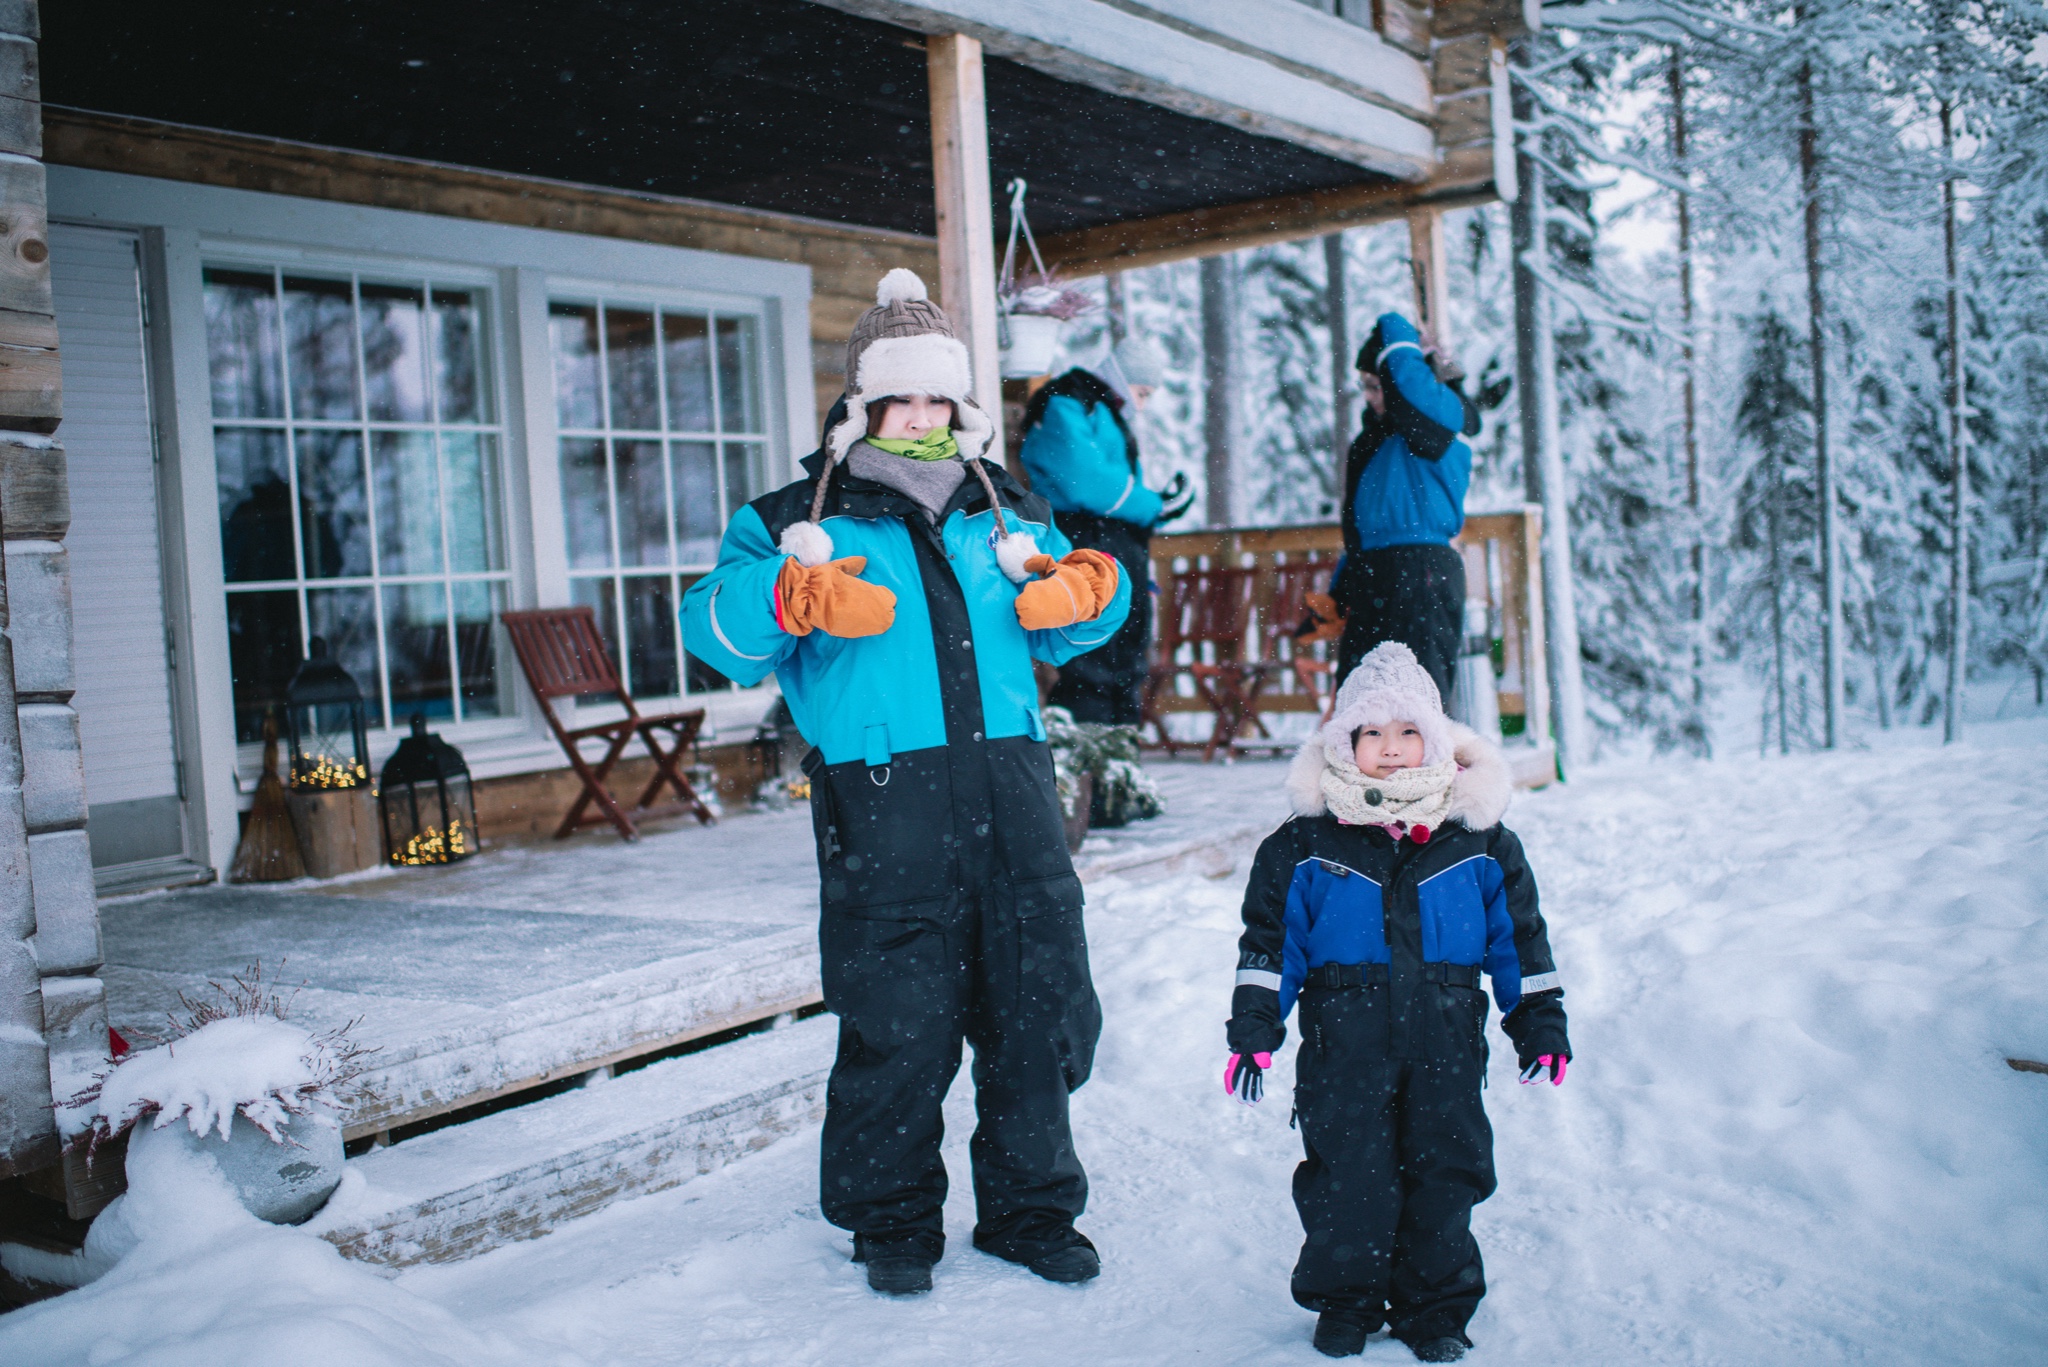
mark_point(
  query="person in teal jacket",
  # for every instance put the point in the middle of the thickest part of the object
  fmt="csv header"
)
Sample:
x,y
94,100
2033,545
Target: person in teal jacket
x,y
899,593
1081,455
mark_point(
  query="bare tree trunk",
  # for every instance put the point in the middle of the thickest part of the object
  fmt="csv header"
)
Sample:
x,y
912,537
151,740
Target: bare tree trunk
x,y
1691,385
1774,529
1823,465
1219,379
1877,665
1119,307
1342,390
1543,472
1959,455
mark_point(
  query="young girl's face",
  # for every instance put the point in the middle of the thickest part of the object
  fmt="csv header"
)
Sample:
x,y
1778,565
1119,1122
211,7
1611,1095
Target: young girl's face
x,y
1383,749
909,417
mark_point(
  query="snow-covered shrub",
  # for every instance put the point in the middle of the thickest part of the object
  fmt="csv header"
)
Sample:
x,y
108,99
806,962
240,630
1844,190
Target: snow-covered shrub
x,y
234,1052
1123,792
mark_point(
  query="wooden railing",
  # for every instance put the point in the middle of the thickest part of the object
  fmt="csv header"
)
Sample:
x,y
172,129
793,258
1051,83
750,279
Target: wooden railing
x,y
1501,558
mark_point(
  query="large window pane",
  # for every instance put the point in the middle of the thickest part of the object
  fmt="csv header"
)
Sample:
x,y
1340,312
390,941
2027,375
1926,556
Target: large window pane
x,y
696,493
242,344
636,386
586,504
686,355
476,649
650,637
470,470
347,620
255,505
320,325
643,503
334,511
745,471
572,336
408,503
395,352
263,651
459,356
739,397
599,596
416,651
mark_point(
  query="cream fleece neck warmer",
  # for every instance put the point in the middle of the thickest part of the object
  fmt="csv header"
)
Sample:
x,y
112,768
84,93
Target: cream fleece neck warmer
x,y
1403,800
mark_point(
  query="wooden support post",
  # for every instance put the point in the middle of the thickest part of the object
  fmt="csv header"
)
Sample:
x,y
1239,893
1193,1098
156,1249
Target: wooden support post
x,y
1430,274
967,244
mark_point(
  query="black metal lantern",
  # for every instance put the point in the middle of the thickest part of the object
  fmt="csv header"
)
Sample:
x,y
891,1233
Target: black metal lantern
x,y
323,717
424,795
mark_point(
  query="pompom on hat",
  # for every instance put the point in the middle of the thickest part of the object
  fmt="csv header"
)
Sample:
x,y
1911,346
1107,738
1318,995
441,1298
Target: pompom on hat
x,y
905,345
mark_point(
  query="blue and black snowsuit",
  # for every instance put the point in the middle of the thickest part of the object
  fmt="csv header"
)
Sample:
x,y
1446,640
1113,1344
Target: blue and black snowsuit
x,y
1381,944
1405,480
950,907
1082,457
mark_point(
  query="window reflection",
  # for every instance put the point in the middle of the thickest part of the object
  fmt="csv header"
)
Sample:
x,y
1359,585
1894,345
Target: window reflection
x,y
358,487
630,505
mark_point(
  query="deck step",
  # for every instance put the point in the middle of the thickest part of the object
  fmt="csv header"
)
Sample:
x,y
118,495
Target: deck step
x,y
520,1173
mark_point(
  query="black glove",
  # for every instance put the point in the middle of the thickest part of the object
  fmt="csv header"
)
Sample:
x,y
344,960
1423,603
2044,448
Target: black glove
x,y
1254,1026
1176,498
1537,1027
1244,1077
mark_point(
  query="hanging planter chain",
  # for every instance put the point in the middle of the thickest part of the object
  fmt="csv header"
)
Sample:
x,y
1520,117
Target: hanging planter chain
x,y
1007,282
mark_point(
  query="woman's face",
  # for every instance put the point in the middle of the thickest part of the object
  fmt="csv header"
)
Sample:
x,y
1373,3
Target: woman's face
x,y
1369,387
1141,394
909,417
1383,749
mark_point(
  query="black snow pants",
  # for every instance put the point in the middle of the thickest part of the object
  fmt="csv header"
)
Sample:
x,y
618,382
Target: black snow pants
x,y
1411,594
952,912
1108,683
1398,1151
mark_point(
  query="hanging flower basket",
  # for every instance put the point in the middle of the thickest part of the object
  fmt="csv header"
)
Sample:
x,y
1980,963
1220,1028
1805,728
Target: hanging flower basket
x,y
1032,318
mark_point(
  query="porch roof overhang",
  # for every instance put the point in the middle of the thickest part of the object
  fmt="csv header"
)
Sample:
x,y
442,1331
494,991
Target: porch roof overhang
x,y
1147,129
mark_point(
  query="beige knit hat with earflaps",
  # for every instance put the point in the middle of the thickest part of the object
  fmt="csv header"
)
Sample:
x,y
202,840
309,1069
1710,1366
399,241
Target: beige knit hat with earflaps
x,y
905,345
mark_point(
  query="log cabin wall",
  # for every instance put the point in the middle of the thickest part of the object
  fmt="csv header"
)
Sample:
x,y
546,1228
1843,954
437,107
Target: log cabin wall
x,y
845,262
53,1024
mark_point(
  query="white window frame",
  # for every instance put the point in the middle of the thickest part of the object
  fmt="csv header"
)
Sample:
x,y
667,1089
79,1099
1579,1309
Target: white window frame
x,y
681,573
186,226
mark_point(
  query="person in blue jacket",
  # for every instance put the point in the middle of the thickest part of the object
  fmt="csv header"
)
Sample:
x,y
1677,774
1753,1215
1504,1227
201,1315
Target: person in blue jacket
x,y
1082,457
1404,500
900,593
1372,914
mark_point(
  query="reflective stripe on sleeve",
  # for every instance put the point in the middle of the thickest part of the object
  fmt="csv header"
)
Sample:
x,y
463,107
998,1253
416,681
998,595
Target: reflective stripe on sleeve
x,y
1541,982
1260,977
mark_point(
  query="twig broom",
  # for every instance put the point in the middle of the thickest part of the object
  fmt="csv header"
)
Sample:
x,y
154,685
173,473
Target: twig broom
x,y
269,852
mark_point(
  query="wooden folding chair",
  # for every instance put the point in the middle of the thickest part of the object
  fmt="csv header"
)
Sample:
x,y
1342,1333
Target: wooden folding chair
x,y
1292,584
563,656
1210,607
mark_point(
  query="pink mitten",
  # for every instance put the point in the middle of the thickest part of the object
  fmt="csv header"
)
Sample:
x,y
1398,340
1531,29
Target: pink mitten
x,y
1553,1063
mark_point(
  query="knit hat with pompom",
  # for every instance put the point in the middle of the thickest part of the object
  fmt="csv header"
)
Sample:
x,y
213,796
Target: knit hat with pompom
x,y
1390,684
902,346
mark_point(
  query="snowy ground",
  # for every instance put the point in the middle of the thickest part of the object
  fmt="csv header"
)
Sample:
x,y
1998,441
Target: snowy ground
x,y
1789,1134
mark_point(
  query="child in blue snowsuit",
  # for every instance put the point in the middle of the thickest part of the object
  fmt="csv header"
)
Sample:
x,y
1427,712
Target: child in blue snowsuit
x,y
1374,910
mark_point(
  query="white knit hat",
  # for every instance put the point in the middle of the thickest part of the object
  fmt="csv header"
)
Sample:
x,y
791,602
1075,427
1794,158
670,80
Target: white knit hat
x,y
1390,684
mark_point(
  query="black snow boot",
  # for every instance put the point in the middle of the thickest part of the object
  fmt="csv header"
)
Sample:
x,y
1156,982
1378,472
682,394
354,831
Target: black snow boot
x,y
1074,1263
1342,1333
901,1267
1449,1348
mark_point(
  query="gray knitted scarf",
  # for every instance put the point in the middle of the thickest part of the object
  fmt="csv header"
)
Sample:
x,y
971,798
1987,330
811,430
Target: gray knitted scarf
x,y
930,484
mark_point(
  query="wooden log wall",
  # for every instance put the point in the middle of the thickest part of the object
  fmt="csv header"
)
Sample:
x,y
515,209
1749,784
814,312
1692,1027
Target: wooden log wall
x,y
845,262
50,990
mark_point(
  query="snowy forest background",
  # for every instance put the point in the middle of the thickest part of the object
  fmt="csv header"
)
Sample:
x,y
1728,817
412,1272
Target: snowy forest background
x,y
1669,632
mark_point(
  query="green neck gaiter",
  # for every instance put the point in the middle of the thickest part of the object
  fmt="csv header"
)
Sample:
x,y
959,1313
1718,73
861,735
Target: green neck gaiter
x,y
937,444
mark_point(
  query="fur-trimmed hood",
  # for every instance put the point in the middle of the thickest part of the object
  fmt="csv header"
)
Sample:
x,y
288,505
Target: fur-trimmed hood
x,y
1479,795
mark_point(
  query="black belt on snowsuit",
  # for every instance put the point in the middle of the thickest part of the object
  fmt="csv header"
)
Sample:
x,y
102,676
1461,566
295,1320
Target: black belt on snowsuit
x,y
1336,976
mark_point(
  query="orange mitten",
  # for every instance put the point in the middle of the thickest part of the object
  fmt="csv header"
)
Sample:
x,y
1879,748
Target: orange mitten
x,y
1072,590
1325,621
831,598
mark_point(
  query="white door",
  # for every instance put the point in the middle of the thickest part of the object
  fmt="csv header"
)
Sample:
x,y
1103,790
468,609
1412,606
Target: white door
x,y
117,589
